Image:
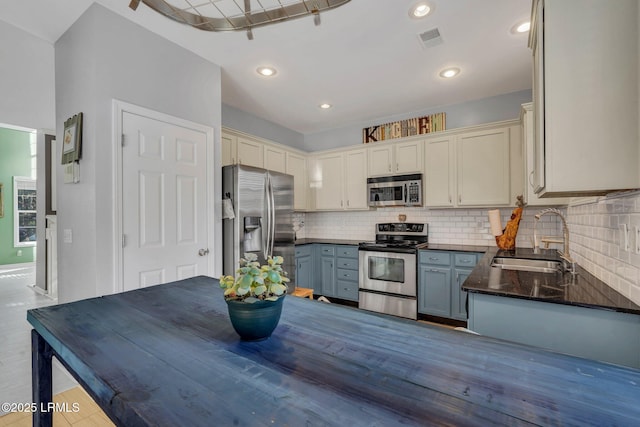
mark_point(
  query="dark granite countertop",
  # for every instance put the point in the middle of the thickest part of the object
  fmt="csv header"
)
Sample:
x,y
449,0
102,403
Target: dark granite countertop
x,y
312,240
432,246
456,248
582,289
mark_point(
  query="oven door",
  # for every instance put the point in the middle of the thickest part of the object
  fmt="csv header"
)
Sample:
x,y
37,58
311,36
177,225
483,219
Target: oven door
x,y
388,272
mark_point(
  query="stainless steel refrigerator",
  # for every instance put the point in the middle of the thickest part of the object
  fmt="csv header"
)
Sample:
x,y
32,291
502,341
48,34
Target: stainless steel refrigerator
x,y
262,223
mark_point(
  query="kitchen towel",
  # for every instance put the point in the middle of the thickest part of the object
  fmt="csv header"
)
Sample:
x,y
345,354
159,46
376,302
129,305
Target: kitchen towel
x,y
494,222
227,209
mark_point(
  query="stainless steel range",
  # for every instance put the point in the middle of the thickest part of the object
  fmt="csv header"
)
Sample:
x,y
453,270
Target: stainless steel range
x,y
388,269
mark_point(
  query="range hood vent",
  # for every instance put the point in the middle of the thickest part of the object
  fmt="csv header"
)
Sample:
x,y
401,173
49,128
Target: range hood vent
x,y
430,38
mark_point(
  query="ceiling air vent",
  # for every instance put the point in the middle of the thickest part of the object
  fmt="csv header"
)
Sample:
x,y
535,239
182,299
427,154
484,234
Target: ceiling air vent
x,y
430,38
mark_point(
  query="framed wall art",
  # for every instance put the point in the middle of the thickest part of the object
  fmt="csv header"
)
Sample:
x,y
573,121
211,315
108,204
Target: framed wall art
x,y
72,139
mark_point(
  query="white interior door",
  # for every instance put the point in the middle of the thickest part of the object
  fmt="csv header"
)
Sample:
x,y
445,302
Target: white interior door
x,y
164,202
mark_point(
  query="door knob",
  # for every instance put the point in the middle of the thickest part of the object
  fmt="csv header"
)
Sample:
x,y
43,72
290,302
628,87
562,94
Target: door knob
x,y
203,252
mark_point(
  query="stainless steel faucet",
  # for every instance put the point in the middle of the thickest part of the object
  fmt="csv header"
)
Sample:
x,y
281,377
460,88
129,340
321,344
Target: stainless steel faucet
x,y
569,263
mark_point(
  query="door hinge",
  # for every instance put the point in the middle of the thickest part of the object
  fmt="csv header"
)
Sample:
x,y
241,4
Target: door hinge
x,y
124,240
122,138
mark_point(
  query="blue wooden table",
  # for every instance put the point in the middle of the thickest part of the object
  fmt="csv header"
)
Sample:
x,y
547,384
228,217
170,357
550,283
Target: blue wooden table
x,y
167,356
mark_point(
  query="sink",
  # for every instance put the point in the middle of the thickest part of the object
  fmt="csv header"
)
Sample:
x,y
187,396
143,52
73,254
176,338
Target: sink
x,y
523,264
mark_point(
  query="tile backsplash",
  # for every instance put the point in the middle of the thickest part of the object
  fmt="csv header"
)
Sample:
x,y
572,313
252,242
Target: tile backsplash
x,y
449,226
597,242
594,229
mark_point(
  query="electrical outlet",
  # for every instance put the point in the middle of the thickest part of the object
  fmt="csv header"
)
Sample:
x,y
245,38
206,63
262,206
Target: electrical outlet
x,y
636,234
67,236
624,237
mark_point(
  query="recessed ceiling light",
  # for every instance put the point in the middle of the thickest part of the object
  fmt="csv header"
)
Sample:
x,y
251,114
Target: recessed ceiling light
x,y
521,27
447,73
325,106
420,10
266,71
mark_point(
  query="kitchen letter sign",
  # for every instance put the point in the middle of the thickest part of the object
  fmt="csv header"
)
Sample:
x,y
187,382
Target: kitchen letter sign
x,y
402,128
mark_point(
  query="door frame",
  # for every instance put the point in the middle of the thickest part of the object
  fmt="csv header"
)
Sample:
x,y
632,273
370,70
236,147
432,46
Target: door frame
x,y
120,107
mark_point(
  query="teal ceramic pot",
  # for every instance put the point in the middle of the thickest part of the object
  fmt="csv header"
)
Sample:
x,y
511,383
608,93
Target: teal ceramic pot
x,y
255,321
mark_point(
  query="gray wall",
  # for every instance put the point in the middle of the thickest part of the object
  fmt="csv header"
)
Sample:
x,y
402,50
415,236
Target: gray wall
x,y
103,57
26,79
253,125
27,86
487,110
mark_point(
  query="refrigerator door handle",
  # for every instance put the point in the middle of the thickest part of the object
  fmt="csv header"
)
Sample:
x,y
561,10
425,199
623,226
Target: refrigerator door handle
x,y
268,249
273,217
267,220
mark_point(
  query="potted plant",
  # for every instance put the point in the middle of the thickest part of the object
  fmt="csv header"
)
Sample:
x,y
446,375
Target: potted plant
x,y
254,296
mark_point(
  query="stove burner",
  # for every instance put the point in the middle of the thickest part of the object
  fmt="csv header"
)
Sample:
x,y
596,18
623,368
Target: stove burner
x,y
399,237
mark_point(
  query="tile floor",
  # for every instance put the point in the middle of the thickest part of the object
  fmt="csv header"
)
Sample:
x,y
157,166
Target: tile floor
x,y
16,297
77,410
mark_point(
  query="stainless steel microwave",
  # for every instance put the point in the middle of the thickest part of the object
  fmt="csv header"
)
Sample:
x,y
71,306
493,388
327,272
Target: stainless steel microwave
x,y
398,190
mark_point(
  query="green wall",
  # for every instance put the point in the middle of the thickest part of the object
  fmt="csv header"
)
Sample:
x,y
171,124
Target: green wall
x,y
15,160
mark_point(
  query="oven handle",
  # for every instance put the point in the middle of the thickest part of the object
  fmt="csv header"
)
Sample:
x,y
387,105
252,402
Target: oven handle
x,y
405,192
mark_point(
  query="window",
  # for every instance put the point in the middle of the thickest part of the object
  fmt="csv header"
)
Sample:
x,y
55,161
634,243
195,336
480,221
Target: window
x,y
24,211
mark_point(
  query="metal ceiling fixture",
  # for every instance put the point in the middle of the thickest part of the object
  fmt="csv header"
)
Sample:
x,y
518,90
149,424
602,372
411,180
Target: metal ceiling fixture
x,y
237,15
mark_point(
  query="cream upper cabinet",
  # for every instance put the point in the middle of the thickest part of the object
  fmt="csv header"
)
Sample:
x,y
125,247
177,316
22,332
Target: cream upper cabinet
x,y
275,159
338,181
408,157
250,153
483,168
326,182
473,168
355,179
526,128
380,160
397,158
228,149
439,178
585,96
296,165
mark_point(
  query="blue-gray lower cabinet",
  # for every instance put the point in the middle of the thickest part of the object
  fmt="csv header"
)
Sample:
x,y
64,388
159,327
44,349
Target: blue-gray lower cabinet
x,y
440,278
304,266
347,272
604,335
327,269
330,270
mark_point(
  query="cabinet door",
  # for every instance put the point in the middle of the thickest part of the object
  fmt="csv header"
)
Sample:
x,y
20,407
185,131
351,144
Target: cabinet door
x,y
328,275
355,182
530,165
297,167
380,160
536,42
590,105
434,293
483,168
458,296
304,275
228,149
275,159
328,191
439,176
250,153
408,157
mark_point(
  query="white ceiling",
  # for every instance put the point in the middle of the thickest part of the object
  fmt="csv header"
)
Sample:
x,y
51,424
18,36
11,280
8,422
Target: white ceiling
x,y
365,58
